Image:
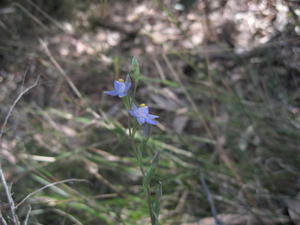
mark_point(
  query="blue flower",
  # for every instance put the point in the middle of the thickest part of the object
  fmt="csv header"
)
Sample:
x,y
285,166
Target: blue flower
x,y
142,115
121,88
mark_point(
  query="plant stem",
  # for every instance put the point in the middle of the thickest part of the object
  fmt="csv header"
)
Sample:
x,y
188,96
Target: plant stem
x,y
9,198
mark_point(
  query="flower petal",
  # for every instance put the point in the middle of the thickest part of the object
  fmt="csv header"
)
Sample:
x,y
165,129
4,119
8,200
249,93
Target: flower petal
x,y
117,84
112,92
127,86
152,122
144,110
127,83
134,107
140,120
151,116
133,110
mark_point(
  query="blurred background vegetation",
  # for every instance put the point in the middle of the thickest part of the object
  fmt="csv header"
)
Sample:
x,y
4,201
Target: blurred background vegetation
x,y
222,75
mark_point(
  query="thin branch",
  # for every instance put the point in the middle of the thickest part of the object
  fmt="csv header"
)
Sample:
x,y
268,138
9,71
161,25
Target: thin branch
x,y
2,219
27,215
210,201
60,69
9,198
72,218
29,14
14,105
188,96
49,185
46,15
3,180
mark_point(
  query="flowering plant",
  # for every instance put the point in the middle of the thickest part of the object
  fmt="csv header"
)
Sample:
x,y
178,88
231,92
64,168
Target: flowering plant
x,y
121,88
144,119
142,114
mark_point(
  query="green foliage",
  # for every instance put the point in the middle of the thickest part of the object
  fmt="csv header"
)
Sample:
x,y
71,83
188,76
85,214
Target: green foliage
x,y
235,119
136,72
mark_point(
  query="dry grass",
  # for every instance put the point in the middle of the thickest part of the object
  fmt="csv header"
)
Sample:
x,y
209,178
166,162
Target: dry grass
x,y
228,102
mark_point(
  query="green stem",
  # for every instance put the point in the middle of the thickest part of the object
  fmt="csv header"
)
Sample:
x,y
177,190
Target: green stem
x,y
149,202
138,151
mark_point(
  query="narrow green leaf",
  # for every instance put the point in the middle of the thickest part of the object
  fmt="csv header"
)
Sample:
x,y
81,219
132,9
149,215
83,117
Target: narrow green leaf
x,y
155,80
53,188
150,172
126,102
156,203
136,74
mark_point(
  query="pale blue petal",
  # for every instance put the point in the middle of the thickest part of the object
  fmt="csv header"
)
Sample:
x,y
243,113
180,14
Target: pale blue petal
x,y
133,110
117,84
144,110
134,107
112,92
141,120
127,83
151,116
152,122
127,86
121,88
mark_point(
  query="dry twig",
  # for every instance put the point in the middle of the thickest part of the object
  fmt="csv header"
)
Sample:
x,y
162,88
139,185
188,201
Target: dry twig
x,y
3,180
14,105
210,201
27,216
9,198
49,185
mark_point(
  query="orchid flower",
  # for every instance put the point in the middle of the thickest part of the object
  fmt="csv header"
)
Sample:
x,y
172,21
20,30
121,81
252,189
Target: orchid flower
x,y
121,88
142,114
